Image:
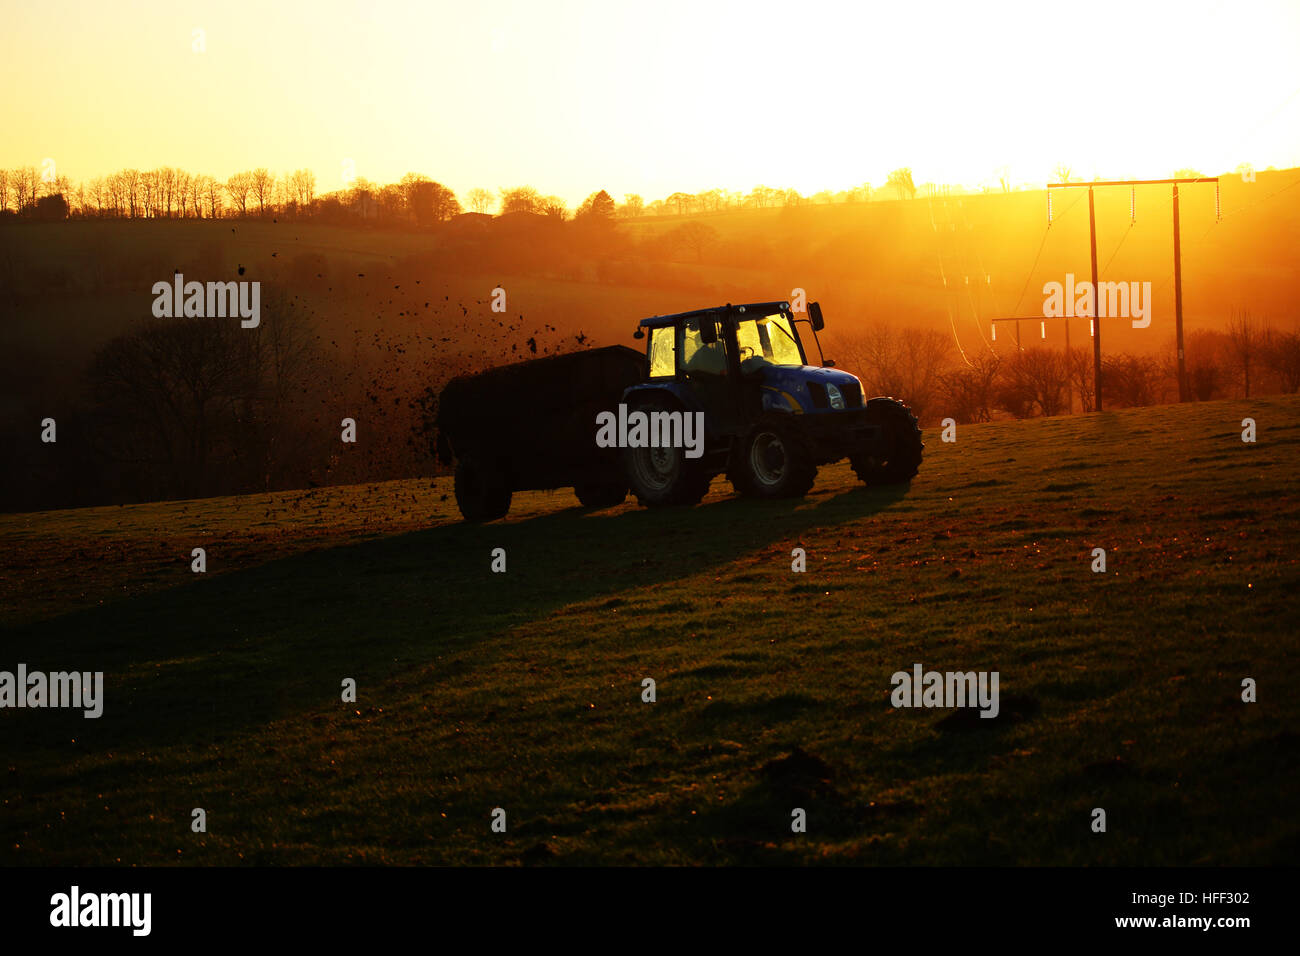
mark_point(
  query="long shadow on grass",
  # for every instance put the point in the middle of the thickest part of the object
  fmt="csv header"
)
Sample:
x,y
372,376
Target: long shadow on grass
x,y
198,662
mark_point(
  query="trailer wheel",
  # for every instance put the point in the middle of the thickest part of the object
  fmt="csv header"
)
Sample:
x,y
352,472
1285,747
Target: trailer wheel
x,y
601,495
898,457
772,461
481,492
664,476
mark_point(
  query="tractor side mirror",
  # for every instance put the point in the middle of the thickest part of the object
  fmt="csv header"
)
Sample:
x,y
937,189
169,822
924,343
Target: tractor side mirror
x,y
815,316
639,333
708,330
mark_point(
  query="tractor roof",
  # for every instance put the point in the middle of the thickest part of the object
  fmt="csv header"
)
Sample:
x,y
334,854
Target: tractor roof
x,y
762,308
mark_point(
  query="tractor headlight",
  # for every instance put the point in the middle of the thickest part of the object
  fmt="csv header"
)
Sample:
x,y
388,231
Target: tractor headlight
x,y
835,398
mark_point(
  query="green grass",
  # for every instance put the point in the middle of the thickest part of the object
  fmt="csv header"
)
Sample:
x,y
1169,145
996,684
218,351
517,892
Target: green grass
x,y
522,690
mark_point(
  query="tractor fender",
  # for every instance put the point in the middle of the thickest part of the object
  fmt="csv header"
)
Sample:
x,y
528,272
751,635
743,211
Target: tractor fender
x,y
679,398
662,390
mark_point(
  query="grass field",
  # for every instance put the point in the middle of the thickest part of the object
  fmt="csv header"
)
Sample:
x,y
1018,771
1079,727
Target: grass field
x,y
522,690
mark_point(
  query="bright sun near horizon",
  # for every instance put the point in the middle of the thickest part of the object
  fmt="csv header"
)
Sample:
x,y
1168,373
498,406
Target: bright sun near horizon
x,y
652,99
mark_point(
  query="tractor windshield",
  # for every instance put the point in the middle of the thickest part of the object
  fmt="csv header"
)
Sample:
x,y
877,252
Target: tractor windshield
x,y
769,340
661,352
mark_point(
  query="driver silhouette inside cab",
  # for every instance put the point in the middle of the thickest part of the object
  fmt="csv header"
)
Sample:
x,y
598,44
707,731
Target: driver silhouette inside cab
x,y
703,358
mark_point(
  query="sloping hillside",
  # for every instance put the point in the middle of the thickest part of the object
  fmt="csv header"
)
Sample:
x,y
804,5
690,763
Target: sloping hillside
x,y
523,690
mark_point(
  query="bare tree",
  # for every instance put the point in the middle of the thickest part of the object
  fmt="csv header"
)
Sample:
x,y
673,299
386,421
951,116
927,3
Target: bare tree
x,y
182,186
695,236
166,189
115,184
212,193
901,180
160,393
282,196
1283,359
1078,373
428,202
683,201
392,203
906,363
1044,373
131,185
1246,342
361,197
967,392
149,191
304,188
480,200
18,184
195,190
1207,358
414,189
25,183
195,405
711,200
98,193
33,179
239,186
520,199
554,207
262,183
1130,380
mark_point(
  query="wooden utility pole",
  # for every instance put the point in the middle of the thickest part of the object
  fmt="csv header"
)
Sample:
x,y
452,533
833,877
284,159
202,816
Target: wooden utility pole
x,y
1069,391
1096,319
1178,300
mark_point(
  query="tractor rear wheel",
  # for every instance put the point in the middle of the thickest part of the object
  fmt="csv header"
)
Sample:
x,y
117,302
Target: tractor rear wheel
x,y
664,476
896,458
772,461
481,492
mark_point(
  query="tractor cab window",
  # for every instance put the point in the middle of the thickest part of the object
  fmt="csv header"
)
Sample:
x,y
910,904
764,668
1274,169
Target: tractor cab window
x,y
661,353
767,340
699,357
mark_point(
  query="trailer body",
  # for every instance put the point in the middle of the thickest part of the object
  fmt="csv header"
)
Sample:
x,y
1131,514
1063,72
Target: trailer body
x,y
530,426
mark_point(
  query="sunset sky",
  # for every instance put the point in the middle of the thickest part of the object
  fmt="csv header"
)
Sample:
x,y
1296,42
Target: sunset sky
x,y
651,98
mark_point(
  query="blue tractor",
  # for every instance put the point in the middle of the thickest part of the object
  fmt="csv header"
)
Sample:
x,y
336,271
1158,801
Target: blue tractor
x,y
770,418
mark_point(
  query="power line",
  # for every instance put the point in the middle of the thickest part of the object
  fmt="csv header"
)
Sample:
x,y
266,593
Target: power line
x,y
1117,248
944,276
970,297
1030,276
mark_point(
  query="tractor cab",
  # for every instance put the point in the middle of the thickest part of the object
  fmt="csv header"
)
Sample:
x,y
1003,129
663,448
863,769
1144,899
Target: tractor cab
x,y
739,361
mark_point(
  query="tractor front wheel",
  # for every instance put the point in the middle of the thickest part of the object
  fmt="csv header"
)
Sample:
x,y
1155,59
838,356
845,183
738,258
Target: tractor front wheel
x,y
896,457
773,461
